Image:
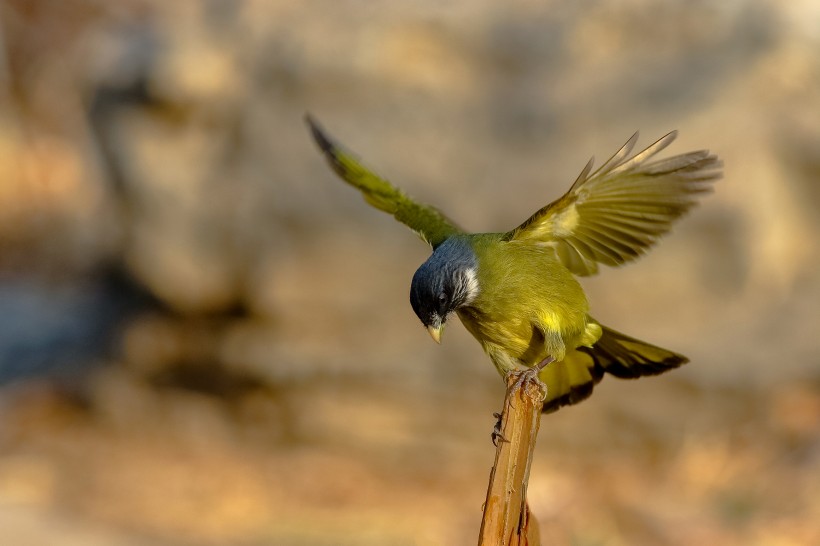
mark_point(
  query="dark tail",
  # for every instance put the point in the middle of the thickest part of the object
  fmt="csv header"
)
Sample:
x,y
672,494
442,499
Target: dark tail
x,y
572,380
628,358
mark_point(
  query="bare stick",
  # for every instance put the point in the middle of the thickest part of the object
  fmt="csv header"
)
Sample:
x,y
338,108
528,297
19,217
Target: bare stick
x,y
507,519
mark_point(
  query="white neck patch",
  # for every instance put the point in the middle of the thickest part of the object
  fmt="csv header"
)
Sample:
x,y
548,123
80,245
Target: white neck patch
x,y
468,285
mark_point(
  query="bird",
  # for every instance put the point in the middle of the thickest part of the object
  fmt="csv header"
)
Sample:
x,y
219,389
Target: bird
x,y
516,292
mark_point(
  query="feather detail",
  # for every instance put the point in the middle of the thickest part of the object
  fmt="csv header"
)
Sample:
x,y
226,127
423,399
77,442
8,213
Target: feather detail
x,y
615,214
426,221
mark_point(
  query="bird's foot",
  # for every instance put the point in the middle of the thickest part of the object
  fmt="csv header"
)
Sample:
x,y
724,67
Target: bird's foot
x,y
531,375
497,435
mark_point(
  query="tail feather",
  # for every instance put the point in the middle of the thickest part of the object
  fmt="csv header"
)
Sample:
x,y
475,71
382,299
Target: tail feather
x,y
628,358
572,380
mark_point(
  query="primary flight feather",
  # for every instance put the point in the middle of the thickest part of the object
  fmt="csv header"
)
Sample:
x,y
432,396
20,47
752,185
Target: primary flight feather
x,y
516,293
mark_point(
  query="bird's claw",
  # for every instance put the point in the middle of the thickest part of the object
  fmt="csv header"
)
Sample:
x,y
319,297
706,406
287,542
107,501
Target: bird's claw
x,y
497,435
530,375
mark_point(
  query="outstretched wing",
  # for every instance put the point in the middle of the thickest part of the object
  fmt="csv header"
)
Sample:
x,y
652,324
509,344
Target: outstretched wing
x,y
616,213
428,222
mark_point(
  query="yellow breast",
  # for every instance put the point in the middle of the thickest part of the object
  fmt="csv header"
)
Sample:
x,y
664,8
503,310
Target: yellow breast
x,y
529,307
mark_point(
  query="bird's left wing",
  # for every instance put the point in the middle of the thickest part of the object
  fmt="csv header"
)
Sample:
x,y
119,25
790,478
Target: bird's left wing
x,y
616,213
427,221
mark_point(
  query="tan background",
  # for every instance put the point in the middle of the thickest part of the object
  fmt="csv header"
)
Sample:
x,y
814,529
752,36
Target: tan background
x,y
206,337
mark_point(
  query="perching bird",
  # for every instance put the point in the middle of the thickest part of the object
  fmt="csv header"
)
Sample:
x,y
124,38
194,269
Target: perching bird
x,y
516,292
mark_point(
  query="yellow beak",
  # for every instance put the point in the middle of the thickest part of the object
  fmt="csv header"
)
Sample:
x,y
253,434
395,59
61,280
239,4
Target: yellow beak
x,y
435,332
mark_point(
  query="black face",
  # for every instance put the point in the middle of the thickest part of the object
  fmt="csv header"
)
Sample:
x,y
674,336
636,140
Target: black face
x,y
441,284
431,297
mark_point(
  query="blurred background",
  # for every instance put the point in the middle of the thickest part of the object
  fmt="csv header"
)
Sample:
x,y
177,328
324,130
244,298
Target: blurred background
x,y
205,337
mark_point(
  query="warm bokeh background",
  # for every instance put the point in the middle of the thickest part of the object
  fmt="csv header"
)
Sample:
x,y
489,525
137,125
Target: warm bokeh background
x,y
205,336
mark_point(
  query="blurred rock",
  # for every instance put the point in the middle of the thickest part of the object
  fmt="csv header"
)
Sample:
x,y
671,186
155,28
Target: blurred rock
x,y
243,366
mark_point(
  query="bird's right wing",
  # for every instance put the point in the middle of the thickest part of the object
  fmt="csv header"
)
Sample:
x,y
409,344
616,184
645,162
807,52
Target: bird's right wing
x,y
427,221
616,213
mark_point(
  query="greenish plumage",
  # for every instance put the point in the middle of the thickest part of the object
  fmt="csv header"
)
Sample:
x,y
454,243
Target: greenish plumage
x,y
516,292
428,222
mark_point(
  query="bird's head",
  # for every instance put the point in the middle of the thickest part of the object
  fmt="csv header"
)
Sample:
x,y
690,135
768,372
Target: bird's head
x,y
445,282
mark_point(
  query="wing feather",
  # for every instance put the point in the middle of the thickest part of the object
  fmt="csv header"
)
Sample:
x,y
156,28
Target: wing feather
x,y
615,214
428,222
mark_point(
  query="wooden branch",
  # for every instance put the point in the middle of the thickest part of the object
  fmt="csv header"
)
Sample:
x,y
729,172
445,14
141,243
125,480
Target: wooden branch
x,y
507,519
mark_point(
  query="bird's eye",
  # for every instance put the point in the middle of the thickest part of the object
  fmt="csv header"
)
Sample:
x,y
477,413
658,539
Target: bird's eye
x,y
442,298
